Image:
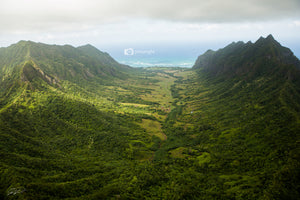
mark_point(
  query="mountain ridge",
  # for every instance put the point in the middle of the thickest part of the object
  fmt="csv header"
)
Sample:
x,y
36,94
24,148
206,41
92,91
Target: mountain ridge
x,y
266,55
61,62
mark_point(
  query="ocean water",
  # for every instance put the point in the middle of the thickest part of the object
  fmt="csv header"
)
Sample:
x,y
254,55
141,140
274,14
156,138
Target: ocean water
x,y
169,55
157,61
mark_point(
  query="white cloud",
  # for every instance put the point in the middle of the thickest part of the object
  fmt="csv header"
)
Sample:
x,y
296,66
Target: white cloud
x,y
296,23
64,15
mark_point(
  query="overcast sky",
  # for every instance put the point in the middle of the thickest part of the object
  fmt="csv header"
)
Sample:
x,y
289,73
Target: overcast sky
x,y
106,23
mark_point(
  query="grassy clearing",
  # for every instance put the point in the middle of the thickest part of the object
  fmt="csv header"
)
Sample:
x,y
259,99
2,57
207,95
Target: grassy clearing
x,y
136,105
161,92
153,128
178,152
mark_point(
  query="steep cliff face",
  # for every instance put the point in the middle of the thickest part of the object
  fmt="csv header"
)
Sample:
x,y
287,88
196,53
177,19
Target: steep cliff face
x,y
32,74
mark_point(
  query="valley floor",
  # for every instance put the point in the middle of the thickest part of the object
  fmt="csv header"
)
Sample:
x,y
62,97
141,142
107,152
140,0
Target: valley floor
x,y
162,133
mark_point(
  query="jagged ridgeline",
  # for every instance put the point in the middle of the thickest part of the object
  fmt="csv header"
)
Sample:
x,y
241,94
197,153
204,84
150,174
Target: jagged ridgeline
x,y
264,57
76,124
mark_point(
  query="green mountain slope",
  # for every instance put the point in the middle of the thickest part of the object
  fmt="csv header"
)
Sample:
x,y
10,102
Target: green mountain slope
x,y
243,135
52,133
75,124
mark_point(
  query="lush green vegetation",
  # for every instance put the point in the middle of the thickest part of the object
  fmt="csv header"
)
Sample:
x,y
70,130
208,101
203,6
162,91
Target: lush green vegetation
x,y
69,130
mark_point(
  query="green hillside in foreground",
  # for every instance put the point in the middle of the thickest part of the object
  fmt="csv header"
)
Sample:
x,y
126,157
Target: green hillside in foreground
x,y
75,124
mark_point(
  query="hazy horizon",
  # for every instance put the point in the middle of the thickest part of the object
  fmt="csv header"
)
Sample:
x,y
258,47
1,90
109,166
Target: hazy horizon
x,y
173,55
